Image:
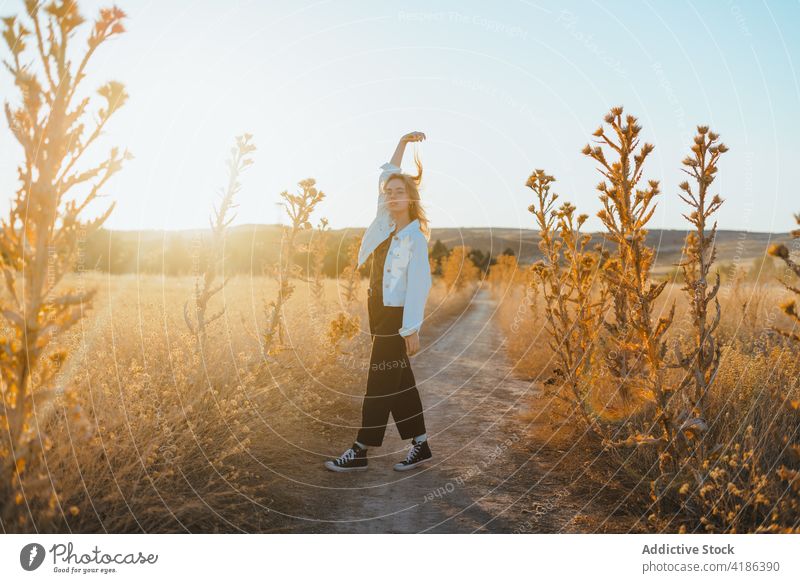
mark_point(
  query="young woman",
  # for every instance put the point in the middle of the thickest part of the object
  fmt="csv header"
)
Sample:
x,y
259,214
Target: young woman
x,y
400,279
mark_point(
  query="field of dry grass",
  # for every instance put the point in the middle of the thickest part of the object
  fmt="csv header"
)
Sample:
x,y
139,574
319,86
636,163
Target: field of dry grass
x,y
150,436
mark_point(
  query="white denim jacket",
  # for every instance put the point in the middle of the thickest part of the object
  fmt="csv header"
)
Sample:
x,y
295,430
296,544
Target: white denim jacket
x,y
407,275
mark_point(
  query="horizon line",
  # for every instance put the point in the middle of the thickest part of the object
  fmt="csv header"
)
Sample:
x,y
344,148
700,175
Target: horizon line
x,y
521,229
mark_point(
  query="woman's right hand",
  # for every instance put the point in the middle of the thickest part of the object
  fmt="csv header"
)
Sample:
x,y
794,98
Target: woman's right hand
x,y
413,137
397,157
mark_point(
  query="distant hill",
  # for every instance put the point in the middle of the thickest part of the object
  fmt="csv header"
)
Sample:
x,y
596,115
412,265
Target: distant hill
x,y
733,246
249,247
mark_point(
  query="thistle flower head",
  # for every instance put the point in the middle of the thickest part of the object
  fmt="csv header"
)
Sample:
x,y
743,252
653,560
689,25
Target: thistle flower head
x,y
778,250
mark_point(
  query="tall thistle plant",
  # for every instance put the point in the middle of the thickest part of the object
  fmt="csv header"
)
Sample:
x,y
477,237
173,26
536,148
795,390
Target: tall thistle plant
x,y
701,362
317,249
43,232
299,208
699,358
573,308
195,310
635,346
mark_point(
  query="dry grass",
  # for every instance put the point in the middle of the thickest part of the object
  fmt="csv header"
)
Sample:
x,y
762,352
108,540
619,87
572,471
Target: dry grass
x,y
757,384
156,438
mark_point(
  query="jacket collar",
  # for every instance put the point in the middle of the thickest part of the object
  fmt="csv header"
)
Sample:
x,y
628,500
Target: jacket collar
x,y
413,225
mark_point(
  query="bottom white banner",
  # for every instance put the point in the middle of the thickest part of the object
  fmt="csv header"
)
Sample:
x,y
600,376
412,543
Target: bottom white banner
x,y
617,558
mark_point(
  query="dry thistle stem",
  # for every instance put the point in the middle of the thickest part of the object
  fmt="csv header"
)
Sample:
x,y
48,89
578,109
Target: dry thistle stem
x,y
42,233
299,208
702,361
634,345
567,276
346,324
214,254
634,342
318,247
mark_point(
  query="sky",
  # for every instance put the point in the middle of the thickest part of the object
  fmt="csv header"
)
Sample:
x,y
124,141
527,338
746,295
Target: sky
x,y
500,88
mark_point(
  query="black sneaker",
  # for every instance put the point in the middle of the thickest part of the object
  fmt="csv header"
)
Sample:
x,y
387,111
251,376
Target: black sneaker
x,y
354,459
419,453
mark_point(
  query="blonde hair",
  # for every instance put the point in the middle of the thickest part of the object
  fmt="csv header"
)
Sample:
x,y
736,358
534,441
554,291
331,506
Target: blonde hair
x,y
415,208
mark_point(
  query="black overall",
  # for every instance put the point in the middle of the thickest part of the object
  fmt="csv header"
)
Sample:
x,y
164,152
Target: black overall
x,y
391,387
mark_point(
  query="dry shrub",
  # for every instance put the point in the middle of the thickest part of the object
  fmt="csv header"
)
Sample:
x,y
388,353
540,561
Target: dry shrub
x,y
746,473
346,323
749,475
504,274
40,240
349,279
344,326
458,270
171,448
521,316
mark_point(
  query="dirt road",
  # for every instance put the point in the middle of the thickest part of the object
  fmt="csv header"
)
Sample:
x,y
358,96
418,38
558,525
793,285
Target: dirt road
x,y
486,475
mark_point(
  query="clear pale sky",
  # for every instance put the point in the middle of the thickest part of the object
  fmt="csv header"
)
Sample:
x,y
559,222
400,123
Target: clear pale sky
x,y
500,88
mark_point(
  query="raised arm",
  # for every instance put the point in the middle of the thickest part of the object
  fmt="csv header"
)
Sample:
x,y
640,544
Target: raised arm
x,y
397,157
382,220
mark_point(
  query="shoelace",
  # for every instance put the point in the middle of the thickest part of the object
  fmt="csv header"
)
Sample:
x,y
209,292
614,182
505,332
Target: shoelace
x,y
346,456
412,453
